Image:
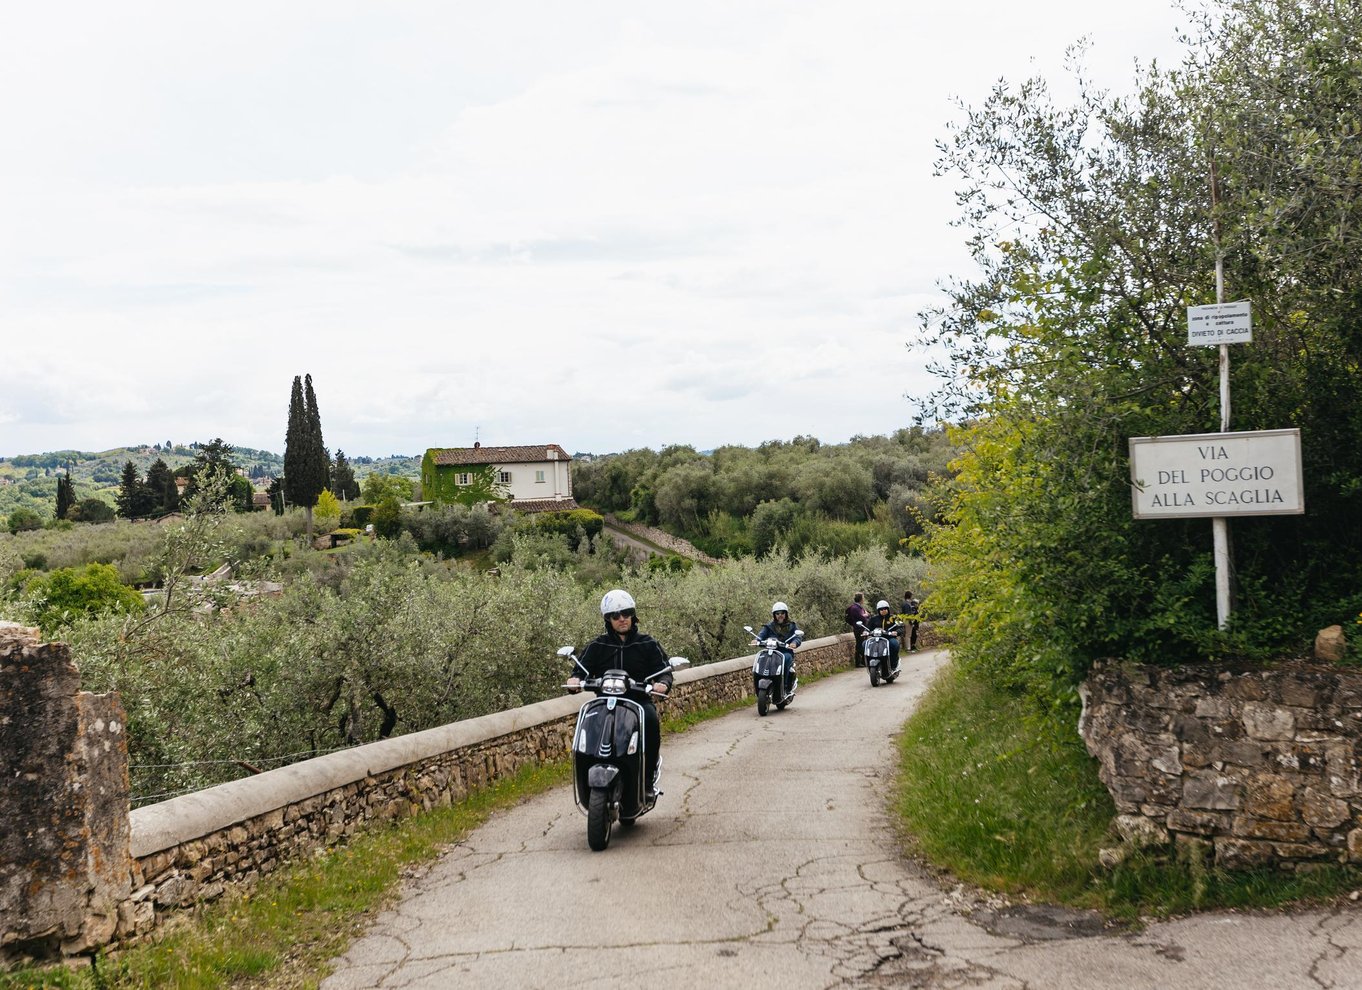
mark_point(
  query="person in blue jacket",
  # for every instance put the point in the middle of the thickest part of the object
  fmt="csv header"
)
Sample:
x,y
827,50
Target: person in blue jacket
x,y
784,630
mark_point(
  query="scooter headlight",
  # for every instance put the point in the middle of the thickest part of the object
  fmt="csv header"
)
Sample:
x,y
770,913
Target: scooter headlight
x,y
614,685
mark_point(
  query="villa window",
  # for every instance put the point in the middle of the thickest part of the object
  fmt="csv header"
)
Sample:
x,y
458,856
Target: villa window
x,y
504,477
539,477
463,479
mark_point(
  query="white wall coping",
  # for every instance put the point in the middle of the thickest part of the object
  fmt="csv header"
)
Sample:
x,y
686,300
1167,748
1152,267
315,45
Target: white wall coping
x,y
164,825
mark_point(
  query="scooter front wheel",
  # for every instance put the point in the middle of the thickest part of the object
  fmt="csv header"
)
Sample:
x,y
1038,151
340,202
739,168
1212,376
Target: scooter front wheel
x,y
763,701
598,819
874,675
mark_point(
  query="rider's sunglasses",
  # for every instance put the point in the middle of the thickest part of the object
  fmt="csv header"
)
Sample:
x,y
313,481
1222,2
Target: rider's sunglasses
x,y
624,613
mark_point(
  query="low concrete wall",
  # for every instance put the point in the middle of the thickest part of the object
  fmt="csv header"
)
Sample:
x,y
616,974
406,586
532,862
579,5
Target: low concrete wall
x,y
1254,767
196,847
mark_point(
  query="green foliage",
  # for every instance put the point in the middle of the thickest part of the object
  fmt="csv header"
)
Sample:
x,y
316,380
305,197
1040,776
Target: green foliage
x,y
572,525
327,511
799,494
376,487
55,598
66,495
307,465
1094,230
454,529
21,520
670,563
383,641
387,517
91,510
343,482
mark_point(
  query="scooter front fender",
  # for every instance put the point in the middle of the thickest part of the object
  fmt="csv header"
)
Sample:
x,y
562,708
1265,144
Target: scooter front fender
x,y
601,775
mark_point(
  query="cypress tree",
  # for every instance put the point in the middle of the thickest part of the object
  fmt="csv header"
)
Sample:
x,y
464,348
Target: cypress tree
x,y
163,495
306,461
66,495
343,483
133,498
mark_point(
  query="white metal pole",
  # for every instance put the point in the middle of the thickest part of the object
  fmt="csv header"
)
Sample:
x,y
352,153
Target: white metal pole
x,y
1220,525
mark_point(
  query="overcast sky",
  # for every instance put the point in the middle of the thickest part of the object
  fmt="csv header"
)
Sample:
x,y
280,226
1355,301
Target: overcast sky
x,y
599,224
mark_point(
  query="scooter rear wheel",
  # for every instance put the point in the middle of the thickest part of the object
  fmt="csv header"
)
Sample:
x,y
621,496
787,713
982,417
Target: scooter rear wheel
x,y
763,701
598,819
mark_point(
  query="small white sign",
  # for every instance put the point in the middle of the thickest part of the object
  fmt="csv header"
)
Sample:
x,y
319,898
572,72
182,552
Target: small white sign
x,y
1217,474
1219,323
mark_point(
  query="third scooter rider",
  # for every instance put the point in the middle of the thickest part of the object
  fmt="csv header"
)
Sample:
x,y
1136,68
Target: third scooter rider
x,y
782,628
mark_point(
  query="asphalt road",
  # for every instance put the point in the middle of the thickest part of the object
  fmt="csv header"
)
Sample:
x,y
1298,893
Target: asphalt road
x,y
769,862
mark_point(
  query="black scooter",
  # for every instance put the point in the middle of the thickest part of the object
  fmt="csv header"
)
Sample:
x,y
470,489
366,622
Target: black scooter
x,y
768,672
609,753
878,655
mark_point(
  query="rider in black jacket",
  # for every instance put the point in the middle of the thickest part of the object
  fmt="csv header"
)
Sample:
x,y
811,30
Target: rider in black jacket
x,y
883,620
623,647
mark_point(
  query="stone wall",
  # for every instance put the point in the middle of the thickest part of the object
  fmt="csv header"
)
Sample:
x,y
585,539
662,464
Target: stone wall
x,y
663,539
1254,767
64,865
197,847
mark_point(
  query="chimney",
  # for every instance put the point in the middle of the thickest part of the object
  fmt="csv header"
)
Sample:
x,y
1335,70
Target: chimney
x,y
477,444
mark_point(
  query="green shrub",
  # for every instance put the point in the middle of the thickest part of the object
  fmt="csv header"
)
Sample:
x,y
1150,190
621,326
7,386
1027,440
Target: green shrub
x,y
567,524
55,598
22,520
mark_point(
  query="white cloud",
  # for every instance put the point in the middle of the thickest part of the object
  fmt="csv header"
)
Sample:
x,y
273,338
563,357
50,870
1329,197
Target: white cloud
x,y
542,222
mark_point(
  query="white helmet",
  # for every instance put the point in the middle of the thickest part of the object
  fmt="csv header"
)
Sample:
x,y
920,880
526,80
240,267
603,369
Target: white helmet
x,y
780,607
881,604
616,601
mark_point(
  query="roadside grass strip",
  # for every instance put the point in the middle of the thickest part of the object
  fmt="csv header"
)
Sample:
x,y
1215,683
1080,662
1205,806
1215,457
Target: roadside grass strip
x,y
1004,796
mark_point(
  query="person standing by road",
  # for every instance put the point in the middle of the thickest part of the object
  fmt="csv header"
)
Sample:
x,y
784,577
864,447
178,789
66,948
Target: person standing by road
x,y
911,607
858,618
623,647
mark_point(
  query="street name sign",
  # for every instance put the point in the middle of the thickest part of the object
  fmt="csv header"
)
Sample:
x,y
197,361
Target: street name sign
x,y
1217,474
1219,323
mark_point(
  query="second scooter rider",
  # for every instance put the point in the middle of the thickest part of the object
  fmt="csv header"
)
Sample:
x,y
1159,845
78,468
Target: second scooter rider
x,y
623,647
883,620
782,627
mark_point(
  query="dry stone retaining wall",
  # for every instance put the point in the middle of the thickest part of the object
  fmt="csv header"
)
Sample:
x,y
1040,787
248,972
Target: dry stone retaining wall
x,y
1256,767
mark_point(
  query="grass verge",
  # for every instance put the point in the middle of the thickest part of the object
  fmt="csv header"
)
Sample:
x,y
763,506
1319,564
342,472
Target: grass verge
x,y
283,934
1006,797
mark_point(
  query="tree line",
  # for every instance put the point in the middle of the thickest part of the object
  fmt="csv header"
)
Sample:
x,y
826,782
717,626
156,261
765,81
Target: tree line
x,y
798,494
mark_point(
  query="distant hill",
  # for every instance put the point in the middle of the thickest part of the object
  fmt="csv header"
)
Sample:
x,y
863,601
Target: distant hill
x,y
30,480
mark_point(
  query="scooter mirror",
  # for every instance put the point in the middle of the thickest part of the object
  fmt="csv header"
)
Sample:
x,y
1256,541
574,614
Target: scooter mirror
x,y
565,651
749,629
679,662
